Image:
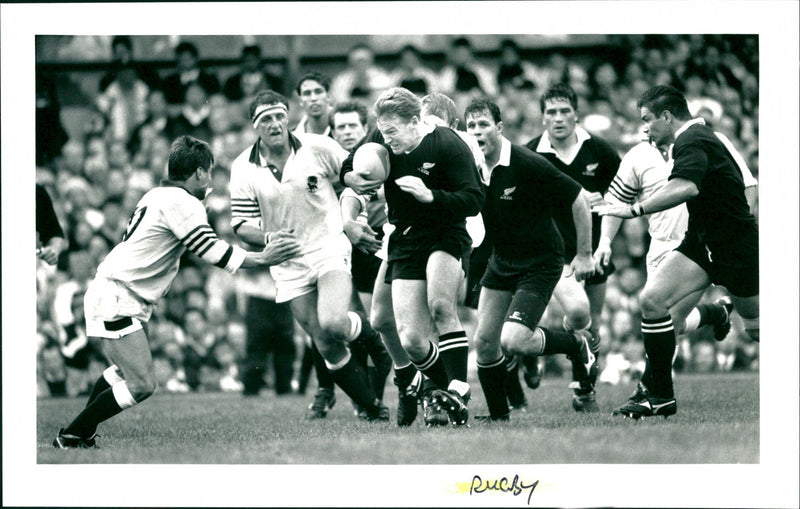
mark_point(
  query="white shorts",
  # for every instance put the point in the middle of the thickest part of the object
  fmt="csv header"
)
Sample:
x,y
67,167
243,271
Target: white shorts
x,y
299,275
112,311
659,249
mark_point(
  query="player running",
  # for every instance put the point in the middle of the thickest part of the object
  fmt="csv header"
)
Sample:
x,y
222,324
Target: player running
x,y
720,245
138,272
527,258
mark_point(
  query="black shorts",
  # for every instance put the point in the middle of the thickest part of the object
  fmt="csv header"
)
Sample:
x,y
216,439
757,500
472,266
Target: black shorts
x,y
734,266
364,270
410,248
532,281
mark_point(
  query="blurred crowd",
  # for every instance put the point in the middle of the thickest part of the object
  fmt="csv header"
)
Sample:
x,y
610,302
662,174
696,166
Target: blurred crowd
x,y
198,332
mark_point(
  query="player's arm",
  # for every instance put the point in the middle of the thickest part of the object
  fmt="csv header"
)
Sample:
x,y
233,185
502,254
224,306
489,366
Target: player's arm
x,y
582,265
676,191
609,226
50,238
360,235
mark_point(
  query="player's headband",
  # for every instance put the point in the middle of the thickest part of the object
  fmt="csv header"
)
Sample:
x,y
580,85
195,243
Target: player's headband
x,y
263,109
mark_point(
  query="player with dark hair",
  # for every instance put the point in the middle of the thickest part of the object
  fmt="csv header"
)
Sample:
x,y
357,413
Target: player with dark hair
x,y
591,162
312,91
720,245
527,257
432,187
138,272
286,182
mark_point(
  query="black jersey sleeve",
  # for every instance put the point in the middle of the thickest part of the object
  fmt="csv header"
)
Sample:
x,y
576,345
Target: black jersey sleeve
x,y
374,136
466,196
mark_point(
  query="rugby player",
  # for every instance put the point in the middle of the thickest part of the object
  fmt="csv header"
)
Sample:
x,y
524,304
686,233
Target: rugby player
x,y
527,258
286,182
592,162
720,245
138,272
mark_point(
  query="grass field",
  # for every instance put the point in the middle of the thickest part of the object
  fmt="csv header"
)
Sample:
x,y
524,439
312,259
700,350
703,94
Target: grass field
x,y
717,422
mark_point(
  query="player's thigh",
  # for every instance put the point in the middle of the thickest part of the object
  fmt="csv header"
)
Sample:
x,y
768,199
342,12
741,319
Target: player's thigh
x,y
676,277
334,298
381,315
747,307
571,296
304,310
492,309
444,277
131,354
411,313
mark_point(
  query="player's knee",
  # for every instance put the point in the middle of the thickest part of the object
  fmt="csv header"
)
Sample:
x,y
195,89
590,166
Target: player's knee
x,y
382,319
652,302
518,339
442,309
486,348
142,388
577,317
334,328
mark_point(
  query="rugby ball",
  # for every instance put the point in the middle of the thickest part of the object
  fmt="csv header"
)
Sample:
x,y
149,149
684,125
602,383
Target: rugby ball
x,y
371,161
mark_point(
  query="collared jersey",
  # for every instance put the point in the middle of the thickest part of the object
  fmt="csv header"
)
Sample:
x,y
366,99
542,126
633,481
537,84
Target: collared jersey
x,y
719,213
446,165
593,165
167,221
524,191
642,172
304,199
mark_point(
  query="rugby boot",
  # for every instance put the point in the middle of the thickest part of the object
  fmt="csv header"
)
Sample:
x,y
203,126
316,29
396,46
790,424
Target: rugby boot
x,y
323,402
433,414
454,404
408,400
723,327
643,404
68,441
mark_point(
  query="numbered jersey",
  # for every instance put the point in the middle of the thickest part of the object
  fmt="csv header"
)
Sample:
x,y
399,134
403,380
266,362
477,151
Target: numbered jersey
x,y
167,221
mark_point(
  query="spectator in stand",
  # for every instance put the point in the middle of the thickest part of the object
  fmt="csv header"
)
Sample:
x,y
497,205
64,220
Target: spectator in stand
x,y
157,122
194,116
412,74
124,102
122,55
514,72
251,77
463,74
362,79
175,85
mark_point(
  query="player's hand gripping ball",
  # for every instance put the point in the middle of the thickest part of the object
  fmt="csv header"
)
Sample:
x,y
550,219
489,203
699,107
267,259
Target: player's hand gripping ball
x,y
371,162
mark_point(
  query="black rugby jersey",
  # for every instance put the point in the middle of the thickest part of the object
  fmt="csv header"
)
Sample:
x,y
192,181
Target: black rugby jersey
x,y
594,167
524,191
719,213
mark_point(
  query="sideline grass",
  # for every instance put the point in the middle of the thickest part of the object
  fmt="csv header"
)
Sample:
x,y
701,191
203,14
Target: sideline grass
x,y
717,422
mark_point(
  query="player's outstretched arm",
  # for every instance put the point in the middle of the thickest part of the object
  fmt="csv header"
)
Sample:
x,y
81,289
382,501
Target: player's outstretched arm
x,y
583,264
282,246
608,230
677,190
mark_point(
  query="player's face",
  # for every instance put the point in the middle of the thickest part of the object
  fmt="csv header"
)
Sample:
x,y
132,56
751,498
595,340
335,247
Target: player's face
x,y
482,126
656,128
401,135
348,129
559,118
273,128
313,98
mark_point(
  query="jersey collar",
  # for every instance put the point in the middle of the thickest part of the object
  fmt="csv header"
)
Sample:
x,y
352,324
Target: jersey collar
x,y
688,124
503,160
255,154
545,146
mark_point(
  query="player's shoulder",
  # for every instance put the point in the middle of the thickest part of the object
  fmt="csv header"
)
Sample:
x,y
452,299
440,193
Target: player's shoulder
x,y
522,154
168,197
243,159
642,149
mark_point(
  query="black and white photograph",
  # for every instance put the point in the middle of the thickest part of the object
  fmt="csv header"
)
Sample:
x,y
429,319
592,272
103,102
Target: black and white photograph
x,y
439,254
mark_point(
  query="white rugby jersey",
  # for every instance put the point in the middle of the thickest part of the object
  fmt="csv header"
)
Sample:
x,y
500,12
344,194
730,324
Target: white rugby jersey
x,y
642,172
167,221
304,200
